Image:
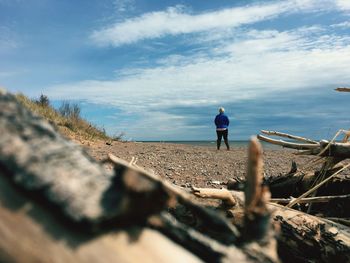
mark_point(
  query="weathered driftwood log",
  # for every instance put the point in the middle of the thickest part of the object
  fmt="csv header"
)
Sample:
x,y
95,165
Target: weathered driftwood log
x,y
50,168
58,204
205,247
303,237
183,206
297,183
297,138
312,238
324,148
31,231
343,89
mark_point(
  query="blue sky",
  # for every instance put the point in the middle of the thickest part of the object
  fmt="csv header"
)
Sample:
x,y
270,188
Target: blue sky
x,y
159,70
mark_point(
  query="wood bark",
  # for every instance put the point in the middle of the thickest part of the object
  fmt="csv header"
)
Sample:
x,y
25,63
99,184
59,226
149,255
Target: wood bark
x,y
316,199
33,232
306,238
303,237
256,214
200,244
37,159
257,234
295,184
222,194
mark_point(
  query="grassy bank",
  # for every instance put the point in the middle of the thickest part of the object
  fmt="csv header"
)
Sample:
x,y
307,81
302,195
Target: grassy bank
x,y
67,119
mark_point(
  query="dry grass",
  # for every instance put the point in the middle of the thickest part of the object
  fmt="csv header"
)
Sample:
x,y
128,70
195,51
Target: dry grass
x,y
69,124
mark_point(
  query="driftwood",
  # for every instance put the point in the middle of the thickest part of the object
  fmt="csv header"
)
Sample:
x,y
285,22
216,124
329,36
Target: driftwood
x,y
322,148
38,160
303,237
58,204
297,183
256,213
317,199
256,228
33,232
300,184
343,89
311,237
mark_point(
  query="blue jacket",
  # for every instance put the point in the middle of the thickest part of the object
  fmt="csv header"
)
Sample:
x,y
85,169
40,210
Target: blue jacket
x,y
221,121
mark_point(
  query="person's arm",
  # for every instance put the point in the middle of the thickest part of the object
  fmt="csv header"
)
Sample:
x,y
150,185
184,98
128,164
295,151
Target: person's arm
x,y
228,121
216,121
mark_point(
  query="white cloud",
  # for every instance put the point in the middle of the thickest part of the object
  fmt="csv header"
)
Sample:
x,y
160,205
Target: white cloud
x,y
231,64
259,63
345,24
175,20
343,4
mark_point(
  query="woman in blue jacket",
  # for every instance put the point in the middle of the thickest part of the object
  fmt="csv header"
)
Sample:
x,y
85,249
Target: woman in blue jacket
x,y
222,122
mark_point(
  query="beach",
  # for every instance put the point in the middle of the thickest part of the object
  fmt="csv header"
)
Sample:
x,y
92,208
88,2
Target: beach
x,y
201,166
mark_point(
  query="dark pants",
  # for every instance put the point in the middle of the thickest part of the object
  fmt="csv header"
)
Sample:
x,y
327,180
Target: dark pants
x,y
221,134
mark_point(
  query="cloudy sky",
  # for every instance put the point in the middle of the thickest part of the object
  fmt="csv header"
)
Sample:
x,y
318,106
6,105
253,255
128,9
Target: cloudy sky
x,y
159,70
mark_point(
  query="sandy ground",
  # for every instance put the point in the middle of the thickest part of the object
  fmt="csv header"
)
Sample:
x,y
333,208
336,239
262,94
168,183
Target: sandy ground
x,y
201,166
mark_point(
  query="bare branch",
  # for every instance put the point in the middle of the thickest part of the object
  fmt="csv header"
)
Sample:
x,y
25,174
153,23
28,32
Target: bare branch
x,y
256,214
291,204
294,137
222,194
317,199
298,146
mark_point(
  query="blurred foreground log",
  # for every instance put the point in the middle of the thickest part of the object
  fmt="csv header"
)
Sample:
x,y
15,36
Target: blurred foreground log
x,y
57,204
33,232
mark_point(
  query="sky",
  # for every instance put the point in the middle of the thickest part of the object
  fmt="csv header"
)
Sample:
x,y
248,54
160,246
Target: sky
x,y
160,69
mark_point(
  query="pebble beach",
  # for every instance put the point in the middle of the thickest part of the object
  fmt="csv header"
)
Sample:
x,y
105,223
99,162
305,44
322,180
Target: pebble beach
x,y
201,166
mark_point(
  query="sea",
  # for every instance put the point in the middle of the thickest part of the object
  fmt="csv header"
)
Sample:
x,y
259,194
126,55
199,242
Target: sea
x,y
233,144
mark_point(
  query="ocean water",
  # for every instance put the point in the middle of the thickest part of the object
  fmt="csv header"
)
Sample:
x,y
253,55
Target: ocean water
x,y
233,144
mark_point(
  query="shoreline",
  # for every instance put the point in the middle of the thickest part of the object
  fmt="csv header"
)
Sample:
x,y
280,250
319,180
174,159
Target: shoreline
x,y
212,143
201,166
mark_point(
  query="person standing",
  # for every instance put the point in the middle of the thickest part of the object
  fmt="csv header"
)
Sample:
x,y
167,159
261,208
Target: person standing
x,y
222,122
